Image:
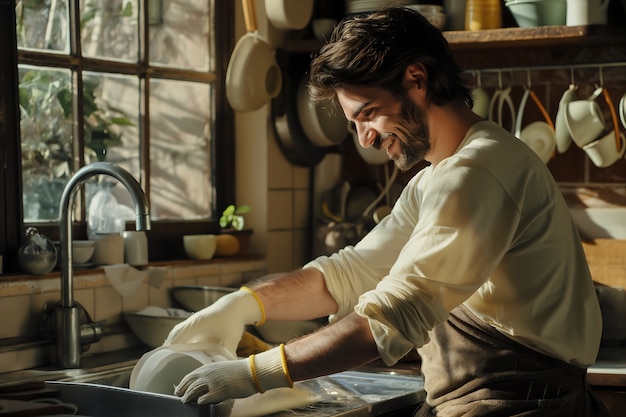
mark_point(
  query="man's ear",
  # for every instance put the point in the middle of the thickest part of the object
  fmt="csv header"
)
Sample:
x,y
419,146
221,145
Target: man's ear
x,y
415,76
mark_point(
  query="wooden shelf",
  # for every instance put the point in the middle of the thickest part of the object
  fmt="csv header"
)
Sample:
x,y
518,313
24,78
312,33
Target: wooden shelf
x,y
544,36
522,47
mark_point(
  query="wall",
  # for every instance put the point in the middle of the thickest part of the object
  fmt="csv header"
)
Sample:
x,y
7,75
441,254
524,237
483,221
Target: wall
x,y
22,301
277,190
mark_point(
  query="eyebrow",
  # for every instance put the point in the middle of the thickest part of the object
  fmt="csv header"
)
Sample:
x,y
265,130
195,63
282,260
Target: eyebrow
x,y
359,109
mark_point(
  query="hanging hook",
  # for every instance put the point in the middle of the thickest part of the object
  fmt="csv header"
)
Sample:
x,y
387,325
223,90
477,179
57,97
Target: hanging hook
x,y
571,76
499,80
601,76
528,80
479,82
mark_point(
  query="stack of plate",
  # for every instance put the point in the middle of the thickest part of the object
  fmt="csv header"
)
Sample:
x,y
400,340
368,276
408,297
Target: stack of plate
x,y
366,6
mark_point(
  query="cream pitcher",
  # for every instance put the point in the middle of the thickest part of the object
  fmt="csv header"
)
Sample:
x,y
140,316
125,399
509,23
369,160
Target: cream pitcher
x,y
586,12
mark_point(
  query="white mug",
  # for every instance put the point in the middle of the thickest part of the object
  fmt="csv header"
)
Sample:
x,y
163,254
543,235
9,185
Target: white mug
x,y
603,152
109,249
586,12
584,119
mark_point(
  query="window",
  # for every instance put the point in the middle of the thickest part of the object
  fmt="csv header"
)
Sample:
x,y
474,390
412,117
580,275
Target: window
x,y
132,82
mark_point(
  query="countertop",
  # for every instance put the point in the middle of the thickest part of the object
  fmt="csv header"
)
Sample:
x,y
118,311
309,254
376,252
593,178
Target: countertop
x,y
610,367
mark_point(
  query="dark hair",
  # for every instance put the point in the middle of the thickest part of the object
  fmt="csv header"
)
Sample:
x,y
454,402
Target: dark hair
x,y
375,50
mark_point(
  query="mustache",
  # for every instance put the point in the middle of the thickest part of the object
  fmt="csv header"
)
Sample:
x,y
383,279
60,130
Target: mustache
x,y
380,138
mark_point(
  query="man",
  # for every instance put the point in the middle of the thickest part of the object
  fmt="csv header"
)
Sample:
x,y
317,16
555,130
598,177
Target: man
x,y
478,266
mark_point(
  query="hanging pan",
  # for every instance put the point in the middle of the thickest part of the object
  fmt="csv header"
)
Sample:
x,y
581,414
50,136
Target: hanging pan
x,y
253,77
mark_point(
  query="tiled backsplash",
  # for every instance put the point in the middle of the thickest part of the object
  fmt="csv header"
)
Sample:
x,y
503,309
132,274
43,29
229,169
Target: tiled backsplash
x,y
22,301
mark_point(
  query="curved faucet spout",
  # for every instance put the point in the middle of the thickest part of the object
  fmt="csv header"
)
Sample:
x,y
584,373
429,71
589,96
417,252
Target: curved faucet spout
x,y
68,327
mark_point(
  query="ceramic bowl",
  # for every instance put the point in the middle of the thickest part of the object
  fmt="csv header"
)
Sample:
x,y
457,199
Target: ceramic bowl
x,y
152,325
533,13
200,246
82,251
197,297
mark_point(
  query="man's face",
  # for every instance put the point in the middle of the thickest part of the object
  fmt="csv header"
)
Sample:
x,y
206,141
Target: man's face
x,y
385,121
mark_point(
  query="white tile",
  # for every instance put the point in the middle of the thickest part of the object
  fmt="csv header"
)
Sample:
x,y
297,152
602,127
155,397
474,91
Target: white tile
x,y
16,316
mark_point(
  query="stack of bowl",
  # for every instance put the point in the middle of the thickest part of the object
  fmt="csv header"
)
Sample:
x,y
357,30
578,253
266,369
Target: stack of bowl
x,y
432,12
533,13
366,6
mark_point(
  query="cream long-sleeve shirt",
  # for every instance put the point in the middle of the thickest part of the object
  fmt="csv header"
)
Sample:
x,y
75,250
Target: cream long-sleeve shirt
x,y
486,227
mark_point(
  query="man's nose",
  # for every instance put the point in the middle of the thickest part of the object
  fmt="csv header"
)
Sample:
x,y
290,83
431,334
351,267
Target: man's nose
x,y
365,134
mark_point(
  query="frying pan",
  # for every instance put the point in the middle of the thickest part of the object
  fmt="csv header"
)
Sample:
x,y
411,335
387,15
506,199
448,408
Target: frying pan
x,y
253,77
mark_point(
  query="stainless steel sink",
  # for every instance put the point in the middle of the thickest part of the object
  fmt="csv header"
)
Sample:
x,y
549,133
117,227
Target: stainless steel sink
x,y
101,390
347,394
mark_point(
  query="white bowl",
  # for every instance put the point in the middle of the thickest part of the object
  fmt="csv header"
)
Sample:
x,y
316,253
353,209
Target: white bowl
x,y
200,246
82,251
152,325
195,298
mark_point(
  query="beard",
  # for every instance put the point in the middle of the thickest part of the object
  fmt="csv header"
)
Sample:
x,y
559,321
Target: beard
x,y
413,135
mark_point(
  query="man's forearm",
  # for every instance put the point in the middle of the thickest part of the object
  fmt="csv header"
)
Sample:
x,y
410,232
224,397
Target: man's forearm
x,y
345,344
299,295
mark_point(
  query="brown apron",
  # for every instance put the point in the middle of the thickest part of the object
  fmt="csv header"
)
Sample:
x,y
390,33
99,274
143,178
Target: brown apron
x,y
470,369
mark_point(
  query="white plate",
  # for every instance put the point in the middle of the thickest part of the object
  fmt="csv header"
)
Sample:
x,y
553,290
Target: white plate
x,y
561,132
539,136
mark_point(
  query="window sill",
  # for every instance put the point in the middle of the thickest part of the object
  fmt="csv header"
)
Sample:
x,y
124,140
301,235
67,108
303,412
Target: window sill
x,y
179,263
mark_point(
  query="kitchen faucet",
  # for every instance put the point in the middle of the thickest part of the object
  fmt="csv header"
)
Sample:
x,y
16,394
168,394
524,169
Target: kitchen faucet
x,y
69,333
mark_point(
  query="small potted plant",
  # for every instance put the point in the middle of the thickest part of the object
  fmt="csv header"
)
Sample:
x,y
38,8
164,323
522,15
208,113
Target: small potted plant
x,y
232,222
232,217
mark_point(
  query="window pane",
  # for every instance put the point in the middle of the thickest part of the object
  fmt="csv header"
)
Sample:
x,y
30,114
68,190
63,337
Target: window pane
x,y
42,24
111,111
109,29
181,39
46,139
180,149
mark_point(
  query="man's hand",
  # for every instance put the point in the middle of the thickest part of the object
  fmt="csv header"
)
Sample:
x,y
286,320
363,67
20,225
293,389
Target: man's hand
x,y
219,381
222,322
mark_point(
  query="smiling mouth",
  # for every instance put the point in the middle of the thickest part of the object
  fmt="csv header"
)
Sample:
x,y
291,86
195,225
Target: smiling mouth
x,y
384,141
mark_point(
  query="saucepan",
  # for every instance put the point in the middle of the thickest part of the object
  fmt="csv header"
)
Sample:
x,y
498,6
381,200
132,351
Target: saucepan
x,y
289,14
253,77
